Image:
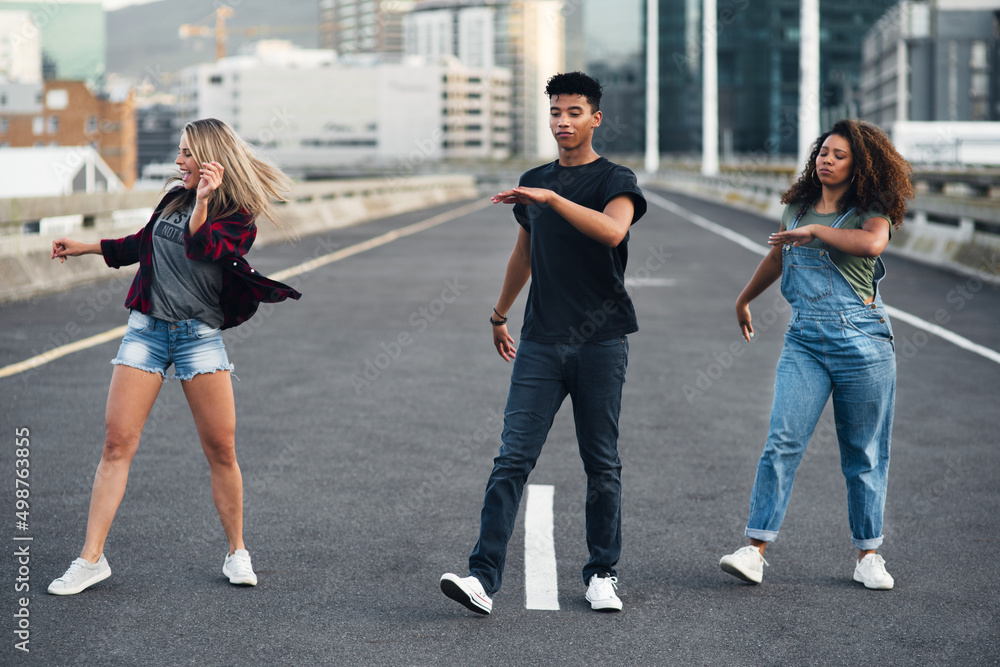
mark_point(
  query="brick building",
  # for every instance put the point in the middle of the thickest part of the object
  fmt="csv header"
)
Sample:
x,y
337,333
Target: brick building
x,y
68,113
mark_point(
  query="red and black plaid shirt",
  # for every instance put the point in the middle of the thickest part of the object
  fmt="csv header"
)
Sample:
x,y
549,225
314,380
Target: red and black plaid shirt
x,y
221,241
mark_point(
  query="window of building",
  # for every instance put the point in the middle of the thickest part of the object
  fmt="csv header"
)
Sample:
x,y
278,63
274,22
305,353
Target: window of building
x,y
57,99
91,126
53,124
215,79
3,99
37,125
3,125
978,55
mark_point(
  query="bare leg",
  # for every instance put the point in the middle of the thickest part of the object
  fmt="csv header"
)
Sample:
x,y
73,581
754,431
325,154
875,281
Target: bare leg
x,y
760,544
130,400
210,397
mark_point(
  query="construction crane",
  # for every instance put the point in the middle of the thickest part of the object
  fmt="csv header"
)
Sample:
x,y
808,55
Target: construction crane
x,y
222,13
220,31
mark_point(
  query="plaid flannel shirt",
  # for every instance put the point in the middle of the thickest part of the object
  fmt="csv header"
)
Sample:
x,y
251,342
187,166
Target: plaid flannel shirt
x,y
221,241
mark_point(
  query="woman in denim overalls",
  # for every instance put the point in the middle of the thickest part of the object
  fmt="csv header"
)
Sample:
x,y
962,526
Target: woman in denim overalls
x,y
839,340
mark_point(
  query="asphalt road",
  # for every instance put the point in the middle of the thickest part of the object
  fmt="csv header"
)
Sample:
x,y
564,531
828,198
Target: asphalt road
x,y
368,416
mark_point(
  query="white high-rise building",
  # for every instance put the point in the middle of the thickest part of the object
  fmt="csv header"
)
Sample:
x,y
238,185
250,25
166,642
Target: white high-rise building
x,y
524,36
310,111
362,26
20,48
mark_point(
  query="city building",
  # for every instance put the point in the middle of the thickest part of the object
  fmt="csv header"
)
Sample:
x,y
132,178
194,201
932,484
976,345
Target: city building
x,y
607,39
53,171
157,134
20,48
933,62
68,113
363,26
72,37
477,112
758,67
314,112
525,37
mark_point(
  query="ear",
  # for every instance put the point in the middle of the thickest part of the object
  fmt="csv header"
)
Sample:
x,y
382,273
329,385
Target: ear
x,y
597,119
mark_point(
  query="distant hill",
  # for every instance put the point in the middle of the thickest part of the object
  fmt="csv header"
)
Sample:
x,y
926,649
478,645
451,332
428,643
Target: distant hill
x,y
143,40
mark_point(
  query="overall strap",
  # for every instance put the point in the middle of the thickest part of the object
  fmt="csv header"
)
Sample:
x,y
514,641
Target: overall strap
x,y
836,224
798,216
840,219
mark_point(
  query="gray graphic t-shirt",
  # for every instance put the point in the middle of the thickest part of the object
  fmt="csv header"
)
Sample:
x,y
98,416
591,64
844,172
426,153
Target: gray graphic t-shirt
x,y
183,289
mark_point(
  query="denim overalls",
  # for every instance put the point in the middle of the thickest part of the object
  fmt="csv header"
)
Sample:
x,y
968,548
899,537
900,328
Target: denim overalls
x,y
836,344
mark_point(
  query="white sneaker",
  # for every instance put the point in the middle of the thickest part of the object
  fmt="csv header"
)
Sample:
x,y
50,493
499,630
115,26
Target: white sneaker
x,y
870,571
238,568
601,593
745,563
81,575
468,592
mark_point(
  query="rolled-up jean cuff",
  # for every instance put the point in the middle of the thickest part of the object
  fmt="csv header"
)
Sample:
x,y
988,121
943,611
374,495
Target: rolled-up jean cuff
x,y
867,545
762,535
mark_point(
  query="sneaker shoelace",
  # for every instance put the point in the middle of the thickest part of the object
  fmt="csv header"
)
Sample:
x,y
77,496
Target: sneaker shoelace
x,y
877,563
68,576
603,584
754,550
240,566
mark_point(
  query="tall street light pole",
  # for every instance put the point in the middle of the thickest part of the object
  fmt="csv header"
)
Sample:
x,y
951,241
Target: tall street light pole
x,y
652,86
809,85
709,90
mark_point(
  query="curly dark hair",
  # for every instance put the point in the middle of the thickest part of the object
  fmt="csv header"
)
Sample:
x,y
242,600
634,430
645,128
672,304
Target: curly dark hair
x,y
881,179
576,83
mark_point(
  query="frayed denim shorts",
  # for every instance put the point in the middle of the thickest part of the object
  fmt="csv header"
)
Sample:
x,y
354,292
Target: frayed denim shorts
x,y
151,345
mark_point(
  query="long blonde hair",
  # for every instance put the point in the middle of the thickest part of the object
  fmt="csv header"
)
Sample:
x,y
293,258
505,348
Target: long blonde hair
x,y
249,182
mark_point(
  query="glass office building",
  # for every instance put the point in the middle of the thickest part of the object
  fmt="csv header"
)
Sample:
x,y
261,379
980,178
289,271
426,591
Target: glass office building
x,y
607,39
758,55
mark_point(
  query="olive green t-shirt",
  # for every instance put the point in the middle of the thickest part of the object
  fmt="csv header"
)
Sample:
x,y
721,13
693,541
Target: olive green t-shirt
x,y
859,271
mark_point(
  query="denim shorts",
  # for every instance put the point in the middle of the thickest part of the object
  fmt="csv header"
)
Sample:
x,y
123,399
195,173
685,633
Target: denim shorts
x,y
151,345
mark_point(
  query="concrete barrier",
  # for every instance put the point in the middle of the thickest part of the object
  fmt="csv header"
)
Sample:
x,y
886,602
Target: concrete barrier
x,y
26,269
956,233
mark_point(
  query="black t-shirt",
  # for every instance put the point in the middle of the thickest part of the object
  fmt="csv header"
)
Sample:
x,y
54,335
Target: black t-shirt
x,y
577,291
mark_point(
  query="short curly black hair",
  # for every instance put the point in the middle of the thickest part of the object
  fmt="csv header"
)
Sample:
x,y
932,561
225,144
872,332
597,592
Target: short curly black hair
x,y
576,83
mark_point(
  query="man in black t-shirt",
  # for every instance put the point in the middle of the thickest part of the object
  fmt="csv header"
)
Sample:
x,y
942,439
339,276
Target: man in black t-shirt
x,y
574,216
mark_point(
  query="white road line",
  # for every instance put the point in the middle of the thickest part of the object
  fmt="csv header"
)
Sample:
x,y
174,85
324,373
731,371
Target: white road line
x,y
912,320
343,253
650,282
62,351
541,586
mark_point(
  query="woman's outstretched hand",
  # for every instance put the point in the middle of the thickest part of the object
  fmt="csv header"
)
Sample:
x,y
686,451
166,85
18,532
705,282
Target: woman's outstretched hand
x,y
64,247
799,236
